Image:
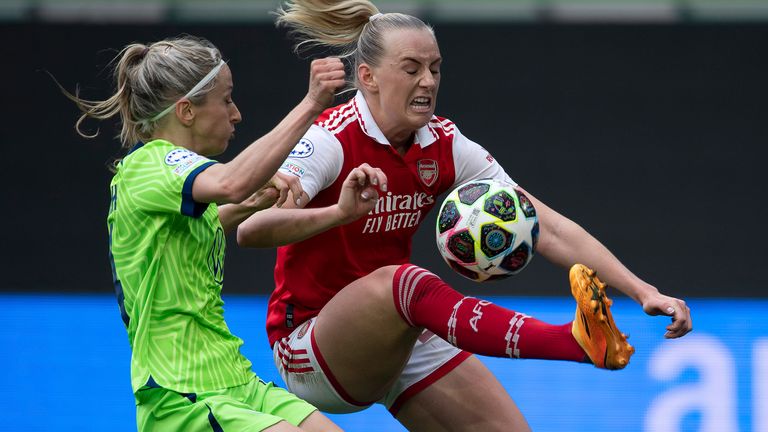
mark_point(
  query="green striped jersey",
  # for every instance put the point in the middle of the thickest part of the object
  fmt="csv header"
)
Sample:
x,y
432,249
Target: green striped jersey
x,y
167,255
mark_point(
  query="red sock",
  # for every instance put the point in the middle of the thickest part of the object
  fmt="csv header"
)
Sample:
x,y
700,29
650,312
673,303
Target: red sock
x,y
478,326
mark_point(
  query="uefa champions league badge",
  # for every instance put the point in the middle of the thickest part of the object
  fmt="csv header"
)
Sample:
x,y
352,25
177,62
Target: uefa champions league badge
x,y
303,149
176,156
182,160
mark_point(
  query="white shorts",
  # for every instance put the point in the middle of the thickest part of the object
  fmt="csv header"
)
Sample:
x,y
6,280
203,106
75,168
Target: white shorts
x,y
306,373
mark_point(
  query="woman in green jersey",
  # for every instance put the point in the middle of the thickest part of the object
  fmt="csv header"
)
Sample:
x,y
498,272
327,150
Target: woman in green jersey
x,y
166,232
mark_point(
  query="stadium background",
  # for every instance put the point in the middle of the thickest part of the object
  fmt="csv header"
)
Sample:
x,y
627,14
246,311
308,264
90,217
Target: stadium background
x,y
644,121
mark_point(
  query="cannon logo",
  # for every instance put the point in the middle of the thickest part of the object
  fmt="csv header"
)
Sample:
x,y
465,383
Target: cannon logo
x,y
428,171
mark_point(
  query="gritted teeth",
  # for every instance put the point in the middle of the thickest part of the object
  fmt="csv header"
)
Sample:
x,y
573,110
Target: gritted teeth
x,y
421,100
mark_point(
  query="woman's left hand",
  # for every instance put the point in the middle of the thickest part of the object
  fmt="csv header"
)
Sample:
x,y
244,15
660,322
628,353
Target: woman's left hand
x,y
359,192
660,304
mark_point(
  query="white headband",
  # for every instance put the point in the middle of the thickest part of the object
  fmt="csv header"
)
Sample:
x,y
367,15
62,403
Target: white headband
x,y
374,16
206,79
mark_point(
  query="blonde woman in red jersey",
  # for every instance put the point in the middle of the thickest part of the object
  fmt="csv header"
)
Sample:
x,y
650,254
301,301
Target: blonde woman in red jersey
x,y
350,321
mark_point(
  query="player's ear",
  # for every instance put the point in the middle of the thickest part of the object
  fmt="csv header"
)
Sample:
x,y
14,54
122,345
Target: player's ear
x,y
366,78
185,112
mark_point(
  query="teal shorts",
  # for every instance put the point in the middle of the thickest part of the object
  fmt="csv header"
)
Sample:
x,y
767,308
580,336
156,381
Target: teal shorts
x,y
254,406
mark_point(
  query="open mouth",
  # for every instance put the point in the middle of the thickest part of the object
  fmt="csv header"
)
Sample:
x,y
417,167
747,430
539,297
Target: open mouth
x,y
421,104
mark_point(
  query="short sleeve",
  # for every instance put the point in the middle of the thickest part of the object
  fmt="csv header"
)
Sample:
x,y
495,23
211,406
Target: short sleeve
x,y
316,160
473,162
160,179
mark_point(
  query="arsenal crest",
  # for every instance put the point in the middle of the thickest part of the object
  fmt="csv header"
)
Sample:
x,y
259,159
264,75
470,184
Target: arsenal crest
x,y
303,330
428,171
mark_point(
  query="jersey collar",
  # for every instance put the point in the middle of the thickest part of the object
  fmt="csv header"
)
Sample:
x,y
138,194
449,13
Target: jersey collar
x,y
424,135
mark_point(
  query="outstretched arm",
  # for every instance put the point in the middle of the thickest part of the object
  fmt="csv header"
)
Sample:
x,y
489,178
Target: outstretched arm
x,y
281,226
565,243
236,180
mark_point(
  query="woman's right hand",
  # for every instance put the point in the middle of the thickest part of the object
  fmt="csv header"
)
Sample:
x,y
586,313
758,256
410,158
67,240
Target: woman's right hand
x,y
326,75
359,192
275,192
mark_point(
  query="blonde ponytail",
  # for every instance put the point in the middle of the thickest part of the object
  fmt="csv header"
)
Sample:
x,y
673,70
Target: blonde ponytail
x,y
335,24
149,79
355,28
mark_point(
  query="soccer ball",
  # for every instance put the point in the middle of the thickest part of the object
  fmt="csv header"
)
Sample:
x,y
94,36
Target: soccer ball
x,y
487,229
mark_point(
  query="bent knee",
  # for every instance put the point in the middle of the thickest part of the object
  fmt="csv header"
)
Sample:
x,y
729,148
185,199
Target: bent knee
x,y
386,273
392,274
379,282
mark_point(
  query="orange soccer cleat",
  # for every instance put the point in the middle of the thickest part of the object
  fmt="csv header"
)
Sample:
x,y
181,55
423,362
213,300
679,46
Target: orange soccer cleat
x,y
593,327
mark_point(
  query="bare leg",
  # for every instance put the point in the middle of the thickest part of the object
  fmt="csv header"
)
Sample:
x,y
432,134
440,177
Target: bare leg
x,y
363,338
283,426
366,336
469,398
317,422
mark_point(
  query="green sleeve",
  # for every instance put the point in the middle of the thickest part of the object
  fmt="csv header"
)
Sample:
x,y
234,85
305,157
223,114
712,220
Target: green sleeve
x,y
162,179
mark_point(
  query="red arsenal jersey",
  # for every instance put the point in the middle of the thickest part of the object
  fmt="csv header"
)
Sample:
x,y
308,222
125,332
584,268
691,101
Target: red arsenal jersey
x,y
309,273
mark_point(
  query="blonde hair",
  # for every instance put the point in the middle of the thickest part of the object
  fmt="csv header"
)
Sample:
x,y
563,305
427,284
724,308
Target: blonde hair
x,y
149,79
353,27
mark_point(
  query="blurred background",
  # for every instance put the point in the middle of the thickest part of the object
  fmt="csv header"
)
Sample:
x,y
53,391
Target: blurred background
x,y
643,120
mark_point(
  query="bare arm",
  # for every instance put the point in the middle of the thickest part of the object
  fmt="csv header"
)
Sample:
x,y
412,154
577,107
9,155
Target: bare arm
x,y
231,215
281,226
275,192
236,180
565,243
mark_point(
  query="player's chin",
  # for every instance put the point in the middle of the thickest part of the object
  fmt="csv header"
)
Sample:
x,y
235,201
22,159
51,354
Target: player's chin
x,y
419,120
226,142
220,148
